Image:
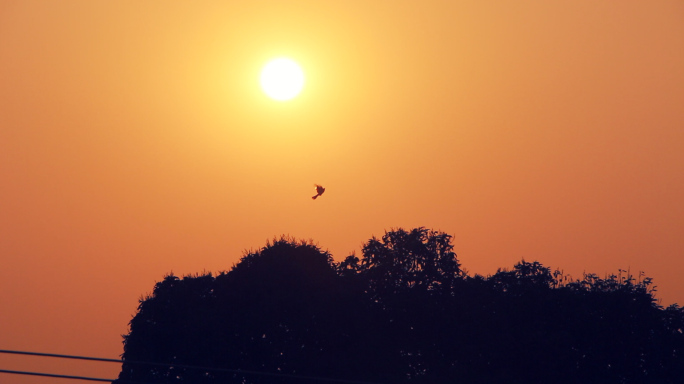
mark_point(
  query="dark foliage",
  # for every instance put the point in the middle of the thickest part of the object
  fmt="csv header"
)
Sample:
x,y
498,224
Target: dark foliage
x,y
404,312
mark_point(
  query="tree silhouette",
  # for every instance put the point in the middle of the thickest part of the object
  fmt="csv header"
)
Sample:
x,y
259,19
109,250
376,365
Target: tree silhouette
x,y
402,312
280,310
421,259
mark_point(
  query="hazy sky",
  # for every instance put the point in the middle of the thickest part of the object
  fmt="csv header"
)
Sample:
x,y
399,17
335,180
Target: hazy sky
x,y
135,141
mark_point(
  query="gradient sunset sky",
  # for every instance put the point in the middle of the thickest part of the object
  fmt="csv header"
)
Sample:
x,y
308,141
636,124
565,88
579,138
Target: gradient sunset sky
x,y
135,141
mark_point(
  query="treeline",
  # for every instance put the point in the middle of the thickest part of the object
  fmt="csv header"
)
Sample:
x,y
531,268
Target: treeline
x,y
404,312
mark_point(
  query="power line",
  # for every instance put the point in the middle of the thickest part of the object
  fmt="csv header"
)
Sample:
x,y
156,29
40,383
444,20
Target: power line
x,y
63,356
54,375
168,365
68,376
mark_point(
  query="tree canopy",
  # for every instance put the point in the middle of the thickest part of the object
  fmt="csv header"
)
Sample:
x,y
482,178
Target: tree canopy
x,y
404,312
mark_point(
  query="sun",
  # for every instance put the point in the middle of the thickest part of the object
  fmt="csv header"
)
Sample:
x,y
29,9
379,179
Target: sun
x,y
282,79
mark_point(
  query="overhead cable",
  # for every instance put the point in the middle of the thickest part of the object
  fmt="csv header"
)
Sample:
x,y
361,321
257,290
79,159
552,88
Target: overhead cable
x,y
168,365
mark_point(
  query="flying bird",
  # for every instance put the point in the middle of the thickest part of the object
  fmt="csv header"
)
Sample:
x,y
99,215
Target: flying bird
x,y
319,191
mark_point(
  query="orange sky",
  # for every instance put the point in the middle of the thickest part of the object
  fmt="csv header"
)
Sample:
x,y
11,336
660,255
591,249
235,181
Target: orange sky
x,y
135,141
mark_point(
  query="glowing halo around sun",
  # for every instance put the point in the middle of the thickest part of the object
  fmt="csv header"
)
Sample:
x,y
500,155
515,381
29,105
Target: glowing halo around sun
x,y
282,79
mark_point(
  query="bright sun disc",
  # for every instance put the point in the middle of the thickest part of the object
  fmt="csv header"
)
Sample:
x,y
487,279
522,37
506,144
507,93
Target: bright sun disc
x,y
282,79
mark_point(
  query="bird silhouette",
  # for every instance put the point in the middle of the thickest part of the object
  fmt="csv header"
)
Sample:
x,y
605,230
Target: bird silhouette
x,y
319,191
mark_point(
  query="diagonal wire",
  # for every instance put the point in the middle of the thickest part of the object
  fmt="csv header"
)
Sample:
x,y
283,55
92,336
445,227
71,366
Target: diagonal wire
x,y
63,356
238,371
54,375
68,376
